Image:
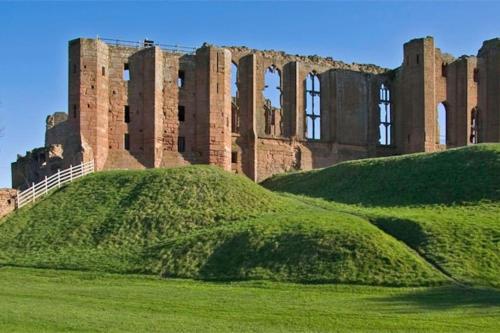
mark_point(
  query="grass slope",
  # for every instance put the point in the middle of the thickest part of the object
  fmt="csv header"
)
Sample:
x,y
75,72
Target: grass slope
x,y
463,240
467,174
63,301
201,222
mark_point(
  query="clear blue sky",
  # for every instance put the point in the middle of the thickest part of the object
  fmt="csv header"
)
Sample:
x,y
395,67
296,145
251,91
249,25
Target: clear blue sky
x,y
34,36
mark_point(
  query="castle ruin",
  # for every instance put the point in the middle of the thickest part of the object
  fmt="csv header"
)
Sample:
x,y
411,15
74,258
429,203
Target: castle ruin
x,y
259,113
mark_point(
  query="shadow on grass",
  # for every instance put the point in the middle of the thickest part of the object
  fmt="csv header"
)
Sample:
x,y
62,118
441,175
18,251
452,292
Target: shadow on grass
x,y
443,298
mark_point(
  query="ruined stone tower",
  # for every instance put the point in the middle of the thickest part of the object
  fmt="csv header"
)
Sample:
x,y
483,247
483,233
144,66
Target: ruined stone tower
x,y
259,113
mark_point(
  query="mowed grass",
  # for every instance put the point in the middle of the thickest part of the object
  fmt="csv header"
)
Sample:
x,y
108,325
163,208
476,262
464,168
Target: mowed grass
x,y
201,222
34,300
445,206
454,176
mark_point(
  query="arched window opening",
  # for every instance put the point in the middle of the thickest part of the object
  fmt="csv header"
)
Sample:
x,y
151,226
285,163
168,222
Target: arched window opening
x,y
313,108
272,99
474,130
235,108
441,124
385,125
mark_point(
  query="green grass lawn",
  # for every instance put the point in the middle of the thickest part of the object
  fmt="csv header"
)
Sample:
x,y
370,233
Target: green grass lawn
x,y
201,222
428,224
35,300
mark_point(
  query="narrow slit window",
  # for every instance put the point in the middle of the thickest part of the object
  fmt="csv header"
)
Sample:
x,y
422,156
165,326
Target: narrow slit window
x,y
235,109
418,59
181,112
181,78
385,123
474,130
126,141
313,109
181,144
103,71
234,157
74,110
127,114
126,72
442,127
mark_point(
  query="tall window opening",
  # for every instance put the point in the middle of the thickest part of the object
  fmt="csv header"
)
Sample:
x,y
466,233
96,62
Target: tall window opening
x,y
126,72
126,141
181,77
181,113
313,110
181,144
385,125
441,124
272,97
127,114
235,108
474,130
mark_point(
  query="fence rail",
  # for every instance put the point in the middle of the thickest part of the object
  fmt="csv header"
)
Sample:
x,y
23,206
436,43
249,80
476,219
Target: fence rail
x,y
56,180
147,43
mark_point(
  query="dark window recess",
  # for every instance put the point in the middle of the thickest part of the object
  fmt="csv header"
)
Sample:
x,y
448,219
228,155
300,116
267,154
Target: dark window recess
x,y
476,75
181,144
181,113
181,79
234,157
127,114
74,110
444,70
418,59
126,72
103,71
126,141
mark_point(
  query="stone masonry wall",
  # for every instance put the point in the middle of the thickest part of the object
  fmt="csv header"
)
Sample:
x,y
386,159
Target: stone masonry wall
x,y
141,106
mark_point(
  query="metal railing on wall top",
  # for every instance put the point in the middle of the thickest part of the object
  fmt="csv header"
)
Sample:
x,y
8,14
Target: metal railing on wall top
x,y
148,43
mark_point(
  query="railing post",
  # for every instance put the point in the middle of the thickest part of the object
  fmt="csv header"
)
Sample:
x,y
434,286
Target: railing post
x,y
81,168
58,178
70,173
32,192
46,189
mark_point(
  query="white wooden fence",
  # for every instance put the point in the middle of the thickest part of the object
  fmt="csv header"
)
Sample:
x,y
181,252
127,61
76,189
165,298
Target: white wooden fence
x,y
56,180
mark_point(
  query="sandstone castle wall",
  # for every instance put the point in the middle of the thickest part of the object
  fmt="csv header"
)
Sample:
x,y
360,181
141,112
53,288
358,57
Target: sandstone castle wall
x,y
141,106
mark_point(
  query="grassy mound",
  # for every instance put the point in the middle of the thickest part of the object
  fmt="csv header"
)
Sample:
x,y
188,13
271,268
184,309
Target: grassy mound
x,y
457,175
446,205
311,246
464,241
204,223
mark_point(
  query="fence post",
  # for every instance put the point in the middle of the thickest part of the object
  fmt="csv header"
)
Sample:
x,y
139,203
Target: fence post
x,y
46,189
70,173
32,192
81,168
58,178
